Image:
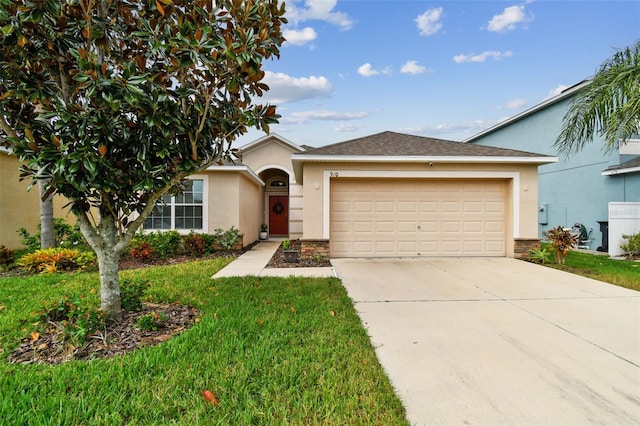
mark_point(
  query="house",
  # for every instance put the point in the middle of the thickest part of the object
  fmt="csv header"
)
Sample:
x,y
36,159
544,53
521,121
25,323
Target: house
x,y
581,188
384,195
19,208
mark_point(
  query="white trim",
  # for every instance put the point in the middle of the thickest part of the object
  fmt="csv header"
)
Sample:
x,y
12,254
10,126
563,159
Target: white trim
x,y
276,136
329,174
242,169
277,167
620,171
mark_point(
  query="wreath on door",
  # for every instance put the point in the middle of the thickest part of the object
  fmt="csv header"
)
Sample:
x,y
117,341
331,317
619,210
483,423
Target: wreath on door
x,y
278,207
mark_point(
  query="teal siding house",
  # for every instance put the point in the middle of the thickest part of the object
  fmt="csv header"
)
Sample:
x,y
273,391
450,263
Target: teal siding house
x,y
578,188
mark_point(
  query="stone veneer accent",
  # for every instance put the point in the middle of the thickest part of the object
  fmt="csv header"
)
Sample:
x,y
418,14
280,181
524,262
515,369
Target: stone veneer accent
x,y
311,248
522,247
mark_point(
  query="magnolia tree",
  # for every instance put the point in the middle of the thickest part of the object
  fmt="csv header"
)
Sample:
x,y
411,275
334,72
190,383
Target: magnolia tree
x,y
113,103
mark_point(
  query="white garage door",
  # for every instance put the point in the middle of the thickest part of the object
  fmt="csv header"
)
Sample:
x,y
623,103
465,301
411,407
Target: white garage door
x,y
428,217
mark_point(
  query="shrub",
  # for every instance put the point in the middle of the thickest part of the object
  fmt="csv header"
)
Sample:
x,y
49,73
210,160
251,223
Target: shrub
x,y
6,257
562,240
194,244
131,293
151,321
57,259
164,243
78,318
227,239
65,235
632,247
141,250
542,255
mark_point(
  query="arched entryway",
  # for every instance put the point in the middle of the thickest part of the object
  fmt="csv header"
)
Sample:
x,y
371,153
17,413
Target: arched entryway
x,y
276,202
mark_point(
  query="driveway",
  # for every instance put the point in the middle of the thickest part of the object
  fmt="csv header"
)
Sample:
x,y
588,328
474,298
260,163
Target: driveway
x,y
490,341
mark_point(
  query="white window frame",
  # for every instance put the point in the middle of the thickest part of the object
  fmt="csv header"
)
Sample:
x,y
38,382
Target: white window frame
x,y
205,210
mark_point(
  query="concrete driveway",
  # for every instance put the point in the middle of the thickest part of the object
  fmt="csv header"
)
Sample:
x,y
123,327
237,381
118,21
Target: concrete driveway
x,y
490,341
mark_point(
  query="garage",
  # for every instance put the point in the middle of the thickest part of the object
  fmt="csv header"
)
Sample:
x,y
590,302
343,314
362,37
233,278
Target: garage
x,y
417,217
398,195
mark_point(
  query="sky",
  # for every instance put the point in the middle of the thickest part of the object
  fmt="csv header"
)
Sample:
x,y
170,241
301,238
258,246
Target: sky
x,y
442,69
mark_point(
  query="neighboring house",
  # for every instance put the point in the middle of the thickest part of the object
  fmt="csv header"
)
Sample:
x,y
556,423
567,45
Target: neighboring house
x,y
19,208
578,188
384,195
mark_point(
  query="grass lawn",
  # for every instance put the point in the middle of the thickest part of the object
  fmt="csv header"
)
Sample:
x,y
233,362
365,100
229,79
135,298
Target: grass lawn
x,y
624,273
272,350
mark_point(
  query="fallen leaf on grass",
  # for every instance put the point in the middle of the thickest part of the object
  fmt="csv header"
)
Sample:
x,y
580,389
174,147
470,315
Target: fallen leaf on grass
x,y
293,309
333,314
210,397
35,336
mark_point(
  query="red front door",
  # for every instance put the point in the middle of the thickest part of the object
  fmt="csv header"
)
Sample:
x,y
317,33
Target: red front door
x,y
278,215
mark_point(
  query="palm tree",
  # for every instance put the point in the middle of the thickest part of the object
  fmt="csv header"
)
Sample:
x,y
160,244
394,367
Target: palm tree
x,y
609,106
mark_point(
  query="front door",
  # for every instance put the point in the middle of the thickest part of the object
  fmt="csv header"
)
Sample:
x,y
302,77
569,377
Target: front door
x,y
278,215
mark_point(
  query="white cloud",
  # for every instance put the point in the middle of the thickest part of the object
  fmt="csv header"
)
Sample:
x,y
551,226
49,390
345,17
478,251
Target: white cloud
x,y
284,88
300,37
472,57
366,70
320,10
322,115
429,22
469,127
348,127
514,104
508,20
412,67
555,92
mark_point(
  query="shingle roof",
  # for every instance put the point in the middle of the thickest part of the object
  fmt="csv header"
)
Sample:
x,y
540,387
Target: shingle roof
x,y
392,144
624,167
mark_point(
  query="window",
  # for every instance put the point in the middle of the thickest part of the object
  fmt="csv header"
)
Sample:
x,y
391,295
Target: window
x,y
182,212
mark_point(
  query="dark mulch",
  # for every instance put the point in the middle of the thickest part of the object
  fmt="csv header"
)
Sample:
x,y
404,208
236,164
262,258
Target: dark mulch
x,y
278,260
116,338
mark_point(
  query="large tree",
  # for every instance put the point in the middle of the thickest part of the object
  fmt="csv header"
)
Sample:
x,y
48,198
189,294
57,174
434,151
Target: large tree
x,y
609,106
112,103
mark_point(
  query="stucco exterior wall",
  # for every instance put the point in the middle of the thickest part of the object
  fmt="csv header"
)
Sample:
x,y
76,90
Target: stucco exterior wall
x,y
573,189
20,208
250,209
522,197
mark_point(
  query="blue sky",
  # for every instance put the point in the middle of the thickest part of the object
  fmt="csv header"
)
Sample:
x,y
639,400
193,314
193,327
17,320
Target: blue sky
x,y
444,69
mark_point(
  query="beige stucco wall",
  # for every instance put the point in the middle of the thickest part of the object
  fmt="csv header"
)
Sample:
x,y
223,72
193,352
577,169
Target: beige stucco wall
x,y
20,208
525,176
251,209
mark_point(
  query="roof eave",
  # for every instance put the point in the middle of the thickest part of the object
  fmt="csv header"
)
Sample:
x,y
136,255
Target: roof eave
x,y
246,171
620,171
422,159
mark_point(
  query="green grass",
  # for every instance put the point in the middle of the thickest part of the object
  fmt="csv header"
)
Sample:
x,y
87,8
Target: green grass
x,y
273,351
623,273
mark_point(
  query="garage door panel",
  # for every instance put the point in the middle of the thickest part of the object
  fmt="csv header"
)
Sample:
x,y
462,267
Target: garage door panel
x,y
380,218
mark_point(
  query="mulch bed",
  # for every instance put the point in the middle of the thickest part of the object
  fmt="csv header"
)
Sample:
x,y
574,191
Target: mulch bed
x,y
278,261
115,339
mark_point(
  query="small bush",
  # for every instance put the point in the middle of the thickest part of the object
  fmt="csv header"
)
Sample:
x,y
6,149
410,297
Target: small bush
x,y
56,259
151,321
6,257
194,244
562,240
632,247
131,293
79,319
542,255
65,236
165,244
141,250
227,239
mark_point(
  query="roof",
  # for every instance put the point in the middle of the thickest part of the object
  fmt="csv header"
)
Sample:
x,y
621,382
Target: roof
x,y
630,166
391,144
389,147
542,105
253,144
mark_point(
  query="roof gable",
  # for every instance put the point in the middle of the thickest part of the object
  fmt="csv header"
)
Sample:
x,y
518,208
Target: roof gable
x,y
268,139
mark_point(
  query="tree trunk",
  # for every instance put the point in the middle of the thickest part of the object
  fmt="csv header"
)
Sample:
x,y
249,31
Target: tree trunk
x,y
47,234
110,300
